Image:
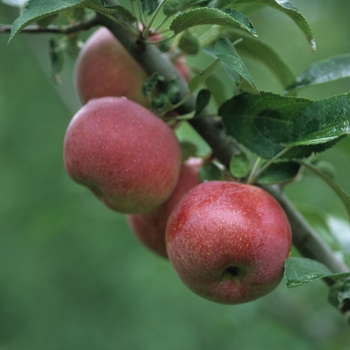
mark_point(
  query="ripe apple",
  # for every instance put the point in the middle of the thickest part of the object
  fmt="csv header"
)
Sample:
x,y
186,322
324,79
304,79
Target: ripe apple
x,y
125,154
228,241
149,227
105,68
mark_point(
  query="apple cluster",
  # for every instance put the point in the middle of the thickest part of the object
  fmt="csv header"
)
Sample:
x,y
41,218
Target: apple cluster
x,y
227,241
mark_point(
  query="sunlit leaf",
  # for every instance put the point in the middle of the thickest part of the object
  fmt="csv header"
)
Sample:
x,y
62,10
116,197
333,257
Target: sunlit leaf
x,y
205,15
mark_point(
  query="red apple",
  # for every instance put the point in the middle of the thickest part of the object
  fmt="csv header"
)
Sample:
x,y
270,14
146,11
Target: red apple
x,y
149,227
124,153
228,241
105,68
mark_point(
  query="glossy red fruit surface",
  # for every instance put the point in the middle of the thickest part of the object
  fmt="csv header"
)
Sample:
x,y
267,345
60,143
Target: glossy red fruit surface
x,y
228,241
124,153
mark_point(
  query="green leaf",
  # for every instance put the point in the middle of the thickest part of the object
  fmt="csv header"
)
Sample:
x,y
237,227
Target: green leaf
x,y
188,149
202,100
279,173
217,89
239,165
323,72
322,121
171,7
57,60
149,6
284,6
339,295
188,43
210,172
298,271
258,50
35,10
201,16
262,122
344,197
200,78
228,55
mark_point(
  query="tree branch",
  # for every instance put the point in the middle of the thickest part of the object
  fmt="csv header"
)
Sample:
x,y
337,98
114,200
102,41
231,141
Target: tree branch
x,y
69,29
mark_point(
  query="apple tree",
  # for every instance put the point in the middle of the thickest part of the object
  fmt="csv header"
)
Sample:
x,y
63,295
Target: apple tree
x,y
186,62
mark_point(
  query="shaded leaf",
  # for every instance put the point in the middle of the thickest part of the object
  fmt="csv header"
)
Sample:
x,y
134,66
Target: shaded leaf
x,y
149,6
298,271
322,72
209,172
228,55
279,173
188,149
188,43
171,7
202,100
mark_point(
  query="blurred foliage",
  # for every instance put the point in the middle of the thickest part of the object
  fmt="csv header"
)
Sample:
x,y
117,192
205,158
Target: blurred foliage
x,y
72,275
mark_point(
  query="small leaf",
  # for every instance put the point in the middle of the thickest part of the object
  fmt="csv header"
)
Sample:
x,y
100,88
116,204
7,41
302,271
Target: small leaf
x,y
239,165
254,48
188,43
323,72
209,172
284,6
226,52
200,78
202,100
344,197
171,7
201,16
279,173
188,149
298,271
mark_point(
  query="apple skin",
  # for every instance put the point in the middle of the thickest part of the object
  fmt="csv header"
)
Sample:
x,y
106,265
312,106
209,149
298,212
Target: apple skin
x,y
150,227
105,68
126,155
228,241
182,67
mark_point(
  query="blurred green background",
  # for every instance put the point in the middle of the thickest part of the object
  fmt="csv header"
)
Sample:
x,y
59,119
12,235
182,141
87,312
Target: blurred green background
x,y
73,276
